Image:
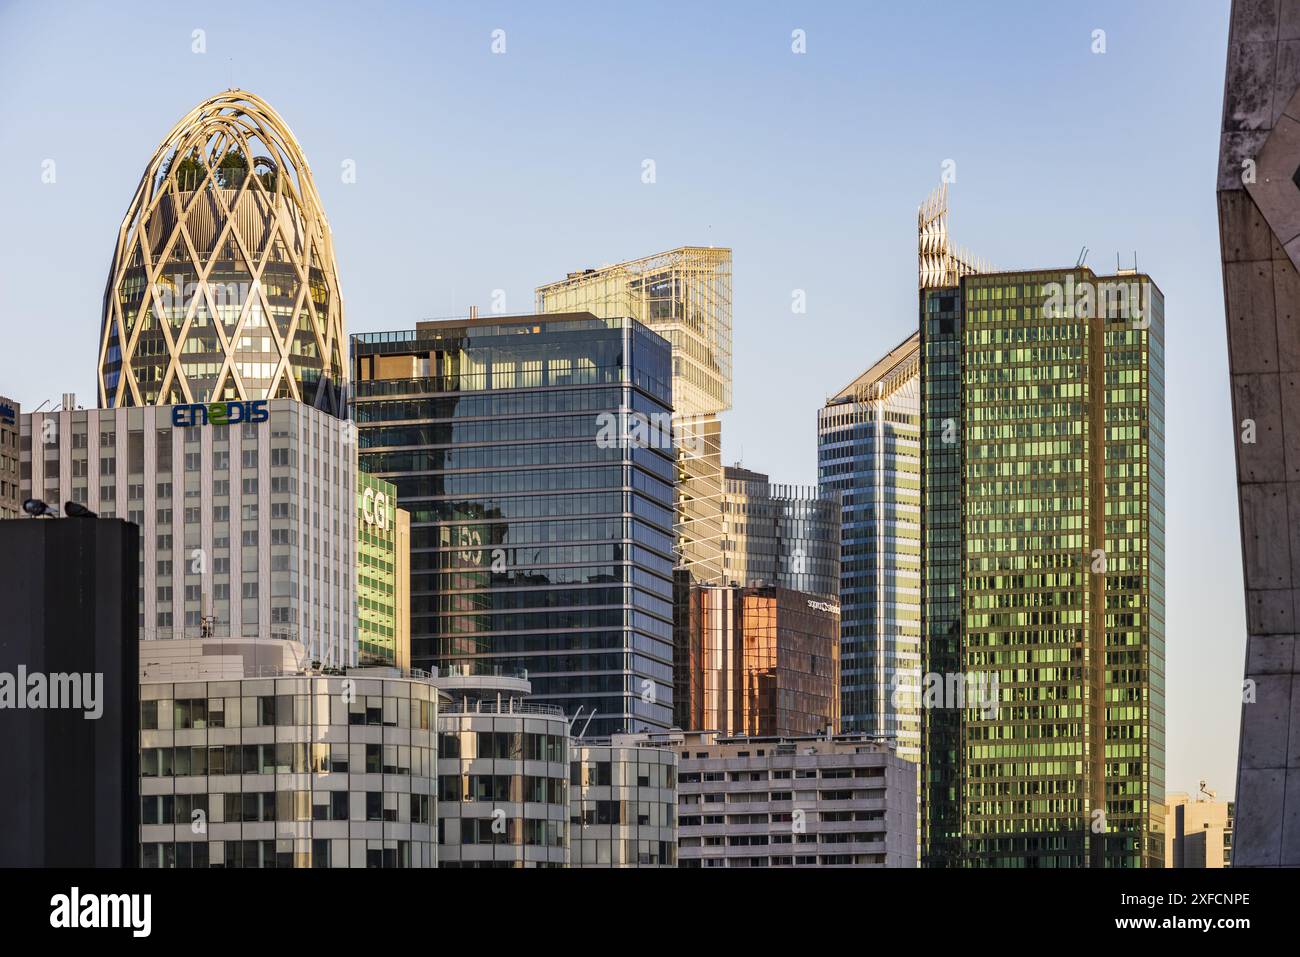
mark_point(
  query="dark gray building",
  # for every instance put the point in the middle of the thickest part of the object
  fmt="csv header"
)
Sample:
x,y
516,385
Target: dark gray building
x,y
535,456
68,693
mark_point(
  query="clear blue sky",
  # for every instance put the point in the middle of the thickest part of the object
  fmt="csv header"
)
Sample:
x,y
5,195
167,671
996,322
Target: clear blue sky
x,y
478,171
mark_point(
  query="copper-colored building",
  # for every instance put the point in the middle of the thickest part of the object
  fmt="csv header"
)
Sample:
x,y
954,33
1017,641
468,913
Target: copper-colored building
x,y
759,660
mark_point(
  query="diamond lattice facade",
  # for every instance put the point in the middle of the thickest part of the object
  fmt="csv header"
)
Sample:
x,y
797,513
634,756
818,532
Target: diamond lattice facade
x,y
223,284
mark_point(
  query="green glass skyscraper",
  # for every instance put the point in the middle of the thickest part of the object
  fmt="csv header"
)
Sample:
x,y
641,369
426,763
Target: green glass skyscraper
x,y
1043,570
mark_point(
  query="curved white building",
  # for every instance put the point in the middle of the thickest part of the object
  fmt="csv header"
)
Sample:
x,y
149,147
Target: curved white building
x,y
503,775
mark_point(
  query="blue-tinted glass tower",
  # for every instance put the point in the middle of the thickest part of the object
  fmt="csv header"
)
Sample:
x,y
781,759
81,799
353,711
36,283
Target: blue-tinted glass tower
x,y
535,456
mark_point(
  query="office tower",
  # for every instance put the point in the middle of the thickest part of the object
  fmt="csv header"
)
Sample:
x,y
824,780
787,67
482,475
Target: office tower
x,y
1258,205
223,284
685,296
825,801
11,501
1198,833
383,575
68,704
759,659
534,455
869,453
289,769
1042,518
503,775
623,801
783,535
245,512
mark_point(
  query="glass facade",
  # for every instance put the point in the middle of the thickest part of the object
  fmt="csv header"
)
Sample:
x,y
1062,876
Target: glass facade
x,y
683,294
759,660
534,456
779,534
1043,520
869,454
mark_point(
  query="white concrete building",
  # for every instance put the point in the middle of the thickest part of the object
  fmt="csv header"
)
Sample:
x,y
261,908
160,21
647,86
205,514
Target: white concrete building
x,y
295,770
623,802
835,801
246,513
503,775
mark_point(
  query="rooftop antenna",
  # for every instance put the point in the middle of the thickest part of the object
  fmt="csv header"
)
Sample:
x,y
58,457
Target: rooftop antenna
x,y
1083,256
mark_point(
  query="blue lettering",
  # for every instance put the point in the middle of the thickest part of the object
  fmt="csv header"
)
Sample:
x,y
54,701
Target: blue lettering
x,y
219,413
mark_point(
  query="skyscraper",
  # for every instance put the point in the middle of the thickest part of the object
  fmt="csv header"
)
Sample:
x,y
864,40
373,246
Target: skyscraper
x,y
534,454
685,296
245,510
223,284
759,659
1043,570
776,534
868,437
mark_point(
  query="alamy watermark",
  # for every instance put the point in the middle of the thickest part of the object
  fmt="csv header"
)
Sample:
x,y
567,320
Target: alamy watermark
x,y
974,690
176,294
36,690
630,429
1110,299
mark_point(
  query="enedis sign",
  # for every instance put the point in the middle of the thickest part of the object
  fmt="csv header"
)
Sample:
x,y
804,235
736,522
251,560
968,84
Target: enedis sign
x,y
219,413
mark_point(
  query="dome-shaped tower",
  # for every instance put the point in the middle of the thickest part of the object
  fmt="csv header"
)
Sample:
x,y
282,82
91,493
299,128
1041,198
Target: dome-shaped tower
x,y
223,283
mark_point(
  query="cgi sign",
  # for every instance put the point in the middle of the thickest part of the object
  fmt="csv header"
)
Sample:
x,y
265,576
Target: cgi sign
x,y
374,508
7,414
220,413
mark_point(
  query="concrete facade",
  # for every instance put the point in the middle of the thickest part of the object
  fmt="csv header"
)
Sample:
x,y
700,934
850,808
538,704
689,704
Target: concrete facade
x,y
1259,227
623,802
1197,833
301,770
503,775
830,801
249,525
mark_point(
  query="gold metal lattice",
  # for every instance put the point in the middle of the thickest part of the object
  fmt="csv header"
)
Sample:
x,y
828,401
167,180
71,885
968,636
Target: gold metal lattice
x,y
223,283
